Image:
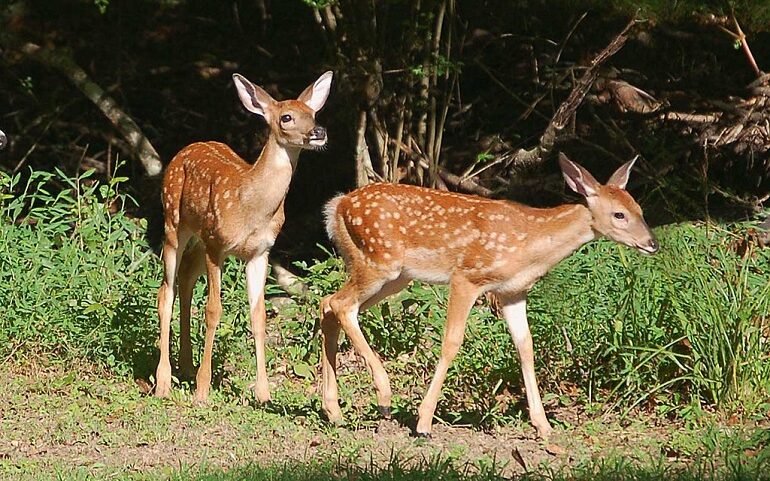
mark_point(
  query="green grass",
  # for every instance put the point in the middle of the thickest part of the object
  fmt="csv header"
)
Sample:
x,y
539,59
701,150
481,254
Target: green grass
x,y
72,421
680,337
437,469
678,332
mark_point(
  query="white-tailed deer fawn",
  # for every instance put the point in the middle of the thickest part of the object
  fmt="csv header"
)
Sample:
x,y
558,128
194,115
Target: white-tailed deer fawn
x,y
230,207
390,234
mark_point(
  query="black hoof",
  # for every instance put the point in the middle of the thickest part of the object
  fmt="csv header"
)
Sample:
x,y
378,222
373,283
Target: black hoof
x,y
384,411
425,436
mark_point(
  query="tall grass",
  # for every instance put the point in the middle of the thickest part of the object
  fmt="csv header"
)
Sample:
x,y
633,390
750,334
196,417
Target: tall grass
x,y
688,325
685,328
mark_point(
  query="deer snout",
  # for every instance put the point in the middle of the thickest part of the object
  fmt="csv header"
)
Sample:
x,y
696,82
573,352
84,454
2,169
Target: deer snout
x,y
3,140
317,136
649,247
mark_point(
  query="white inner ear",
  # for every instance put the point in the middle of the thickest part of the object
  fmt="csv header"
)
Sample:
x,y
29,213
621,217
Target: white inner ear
x,y
625,174
589,191
623,181
577,184
248,96
321,89
571,183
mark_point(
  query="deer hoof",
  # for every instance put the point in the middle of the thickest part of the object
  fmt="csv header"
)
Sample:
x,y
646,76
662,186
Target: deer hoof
x,y
384,411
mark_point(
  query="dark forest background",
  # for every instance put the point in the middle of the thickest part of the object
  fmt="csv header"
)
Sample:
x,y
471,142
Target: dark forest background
x,y
475,96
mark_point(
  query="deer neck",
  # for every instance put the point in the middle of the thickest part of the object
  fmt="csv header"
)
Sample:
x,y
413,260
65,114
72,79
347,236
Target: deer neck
x,y
267,181
564,230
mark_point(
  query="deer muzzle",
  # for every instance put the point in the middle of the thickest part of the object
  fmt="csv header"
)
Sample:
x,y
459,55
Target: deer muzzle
x,y
317,137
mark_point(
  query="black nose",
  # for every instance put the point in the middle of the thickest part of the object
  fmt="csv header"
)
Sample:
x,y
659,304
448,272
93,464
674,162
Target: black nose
x,y
318,133
654,246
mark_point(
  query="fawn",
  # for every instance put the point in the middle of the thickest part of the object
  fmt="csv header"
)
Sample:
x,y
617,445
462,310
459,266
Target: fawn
x,y
390,234
230,207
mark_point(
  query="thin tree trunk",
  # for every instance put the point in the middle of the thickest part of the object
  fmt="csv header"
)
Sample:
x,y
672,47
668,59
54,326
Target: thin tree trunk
x,y
129,129
363,160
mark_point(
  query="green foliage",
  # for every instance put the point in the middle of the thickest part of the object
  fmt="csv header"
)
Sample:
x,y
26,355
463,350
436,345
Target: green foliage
x,y
70,269
684,326
102,5
680,331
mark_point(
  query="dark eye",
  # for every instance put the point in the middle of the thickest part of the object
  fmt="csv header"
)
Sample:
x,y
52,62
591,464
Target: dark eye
x,y
619,215
285,118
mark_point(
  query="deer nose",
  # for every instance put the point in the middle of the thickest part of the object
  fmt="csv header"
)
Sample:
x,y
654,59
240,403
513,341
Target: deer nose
x,y
318,133
653,244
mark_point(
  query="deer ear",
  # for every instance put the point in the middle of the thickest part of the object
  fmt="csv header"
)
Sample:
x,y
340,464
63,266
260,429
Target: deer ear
x,y
253,97
620,178
315,95
578,178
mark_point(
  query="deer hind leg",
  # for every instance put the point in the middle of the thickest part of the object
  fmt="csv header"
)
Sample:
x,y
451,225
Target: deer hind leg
x,y
256,273
213,313
330,332
341,310
173,246
192,266
462,295
515,313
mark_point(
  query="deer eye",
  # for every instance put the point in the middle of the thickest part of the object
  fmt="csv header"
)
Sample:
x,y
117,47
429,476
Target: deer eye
x,y
285,118
619,215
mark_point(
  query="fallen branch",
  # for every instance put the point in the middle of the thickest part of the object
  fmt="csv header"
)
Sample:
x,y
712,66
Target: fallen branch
x,y
463,184
566,110
692,118
130,131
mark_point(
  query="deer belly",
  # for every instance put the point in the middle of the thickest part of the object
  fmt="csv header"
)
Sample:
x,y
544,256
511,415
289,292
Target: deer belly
x,y
427,265
253,246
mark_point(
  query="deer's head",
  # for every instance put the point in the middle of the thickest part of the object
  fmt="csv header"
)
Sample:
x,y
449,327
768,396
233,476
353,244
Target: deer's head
x,y
615,213
292,122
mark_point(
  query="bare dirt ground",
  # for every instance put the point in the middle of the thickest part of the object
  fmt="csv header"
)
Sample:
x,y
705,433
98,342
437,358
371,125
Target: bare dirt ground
x,y
57,416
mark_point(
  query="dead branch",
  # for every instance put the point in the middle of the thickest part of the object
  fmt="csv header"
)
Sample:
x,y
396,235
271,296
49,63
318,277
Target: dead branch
x,y
629,98
133,134
463,184
691,118
567,109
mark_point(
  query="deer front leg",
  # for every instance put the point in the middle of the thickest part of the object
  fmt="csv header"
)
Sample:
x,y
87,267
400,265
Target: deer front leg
x,y
256,273
213,313
462,295
515,313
